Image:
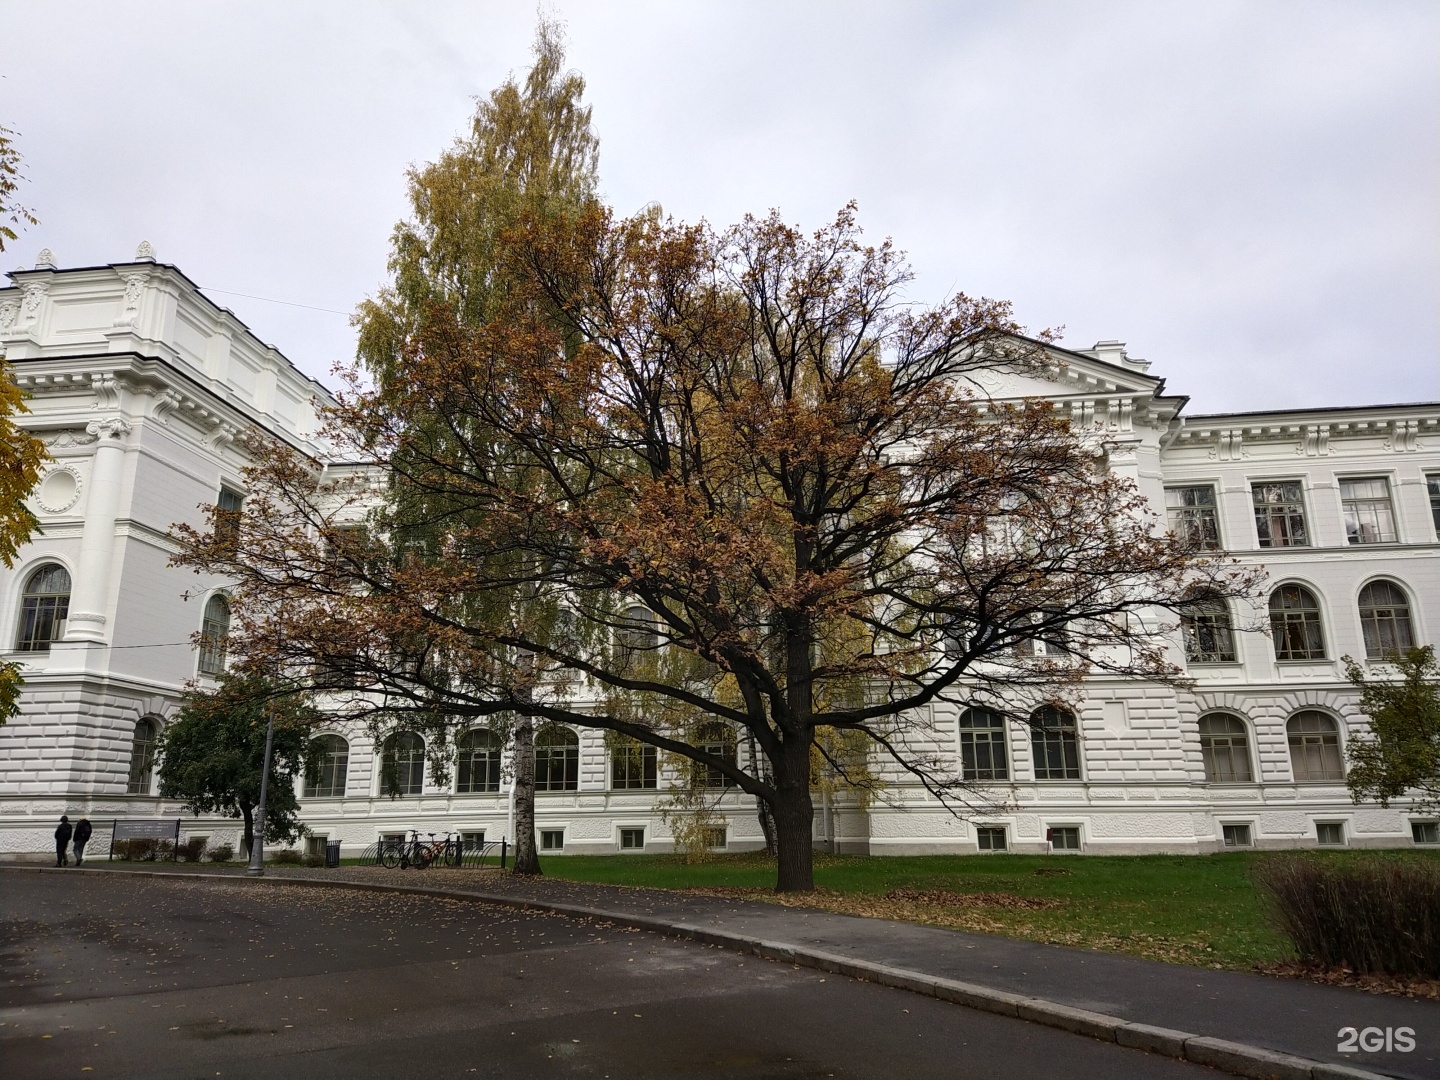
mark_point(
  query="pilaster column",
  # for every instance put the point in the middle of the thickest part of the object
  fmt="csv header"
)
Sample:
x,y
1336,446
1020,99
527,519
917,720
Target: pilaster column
x,y
90,592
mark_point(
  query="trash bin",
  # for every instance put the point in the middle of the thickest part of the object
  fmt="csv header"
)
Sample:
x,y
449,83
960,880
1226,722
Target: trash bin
x,y
332,853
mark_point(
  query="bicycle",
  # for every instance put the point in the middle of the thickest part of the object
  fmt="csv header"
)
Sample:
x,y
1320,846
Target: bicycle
x,y
420,853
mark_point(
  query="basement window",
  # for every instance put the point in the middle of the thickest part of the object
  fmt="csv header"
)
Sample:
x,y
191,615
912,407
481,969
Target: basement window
x,y
632,839
1236,835
1064,838
1425,832
990,838
552,839
1330,833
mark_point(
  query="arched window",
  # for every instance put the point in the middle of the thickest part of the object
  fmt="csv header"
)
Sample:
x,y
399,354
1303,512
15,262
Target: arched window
x,y
636,633
403,764
478,765
718,739
43,608
1295,624
142,756
982,745
214,629
1225,749
1055,738
1385,620
1314,747
327,763
557,759
1205,626
632,765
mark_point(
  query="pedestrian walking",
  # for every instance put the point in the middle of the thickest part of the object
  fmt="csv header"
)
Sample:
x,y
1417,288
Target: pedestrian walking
x,y
82,837
62,841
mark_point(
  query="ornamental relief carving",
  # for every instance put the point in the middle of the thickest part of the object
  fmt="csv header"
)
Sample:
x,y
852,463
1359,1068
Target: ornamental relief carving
x,y
59,491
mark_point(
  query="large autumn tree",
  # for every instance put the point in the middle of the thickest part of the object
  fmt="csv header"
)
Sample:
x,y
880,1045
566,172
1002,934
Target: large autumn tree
x,y
530,151
725,480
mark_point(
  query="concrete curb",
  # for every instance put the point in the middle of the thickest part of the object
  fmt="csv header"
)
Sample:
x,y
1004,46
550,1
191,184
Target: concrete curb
x,y
1238,1059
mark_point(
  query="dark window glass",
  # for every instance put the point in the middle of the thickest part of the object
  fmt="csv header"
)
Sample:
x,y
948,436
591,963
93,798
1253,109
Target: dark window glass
x,y
632,766
142,756
982,745
43,608
1295,624
1225,749
1432,485
329,762
719,740
990,837
477,769
1056,743
1385,620
214,631
404,764
227,518
557,759
1205,626
1314,747
1190,512
1279,514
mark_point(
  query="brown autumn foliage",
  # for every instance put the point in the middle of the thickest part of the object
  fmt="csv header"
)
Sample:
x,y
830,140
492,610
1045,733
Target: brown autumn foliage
x,y
684,477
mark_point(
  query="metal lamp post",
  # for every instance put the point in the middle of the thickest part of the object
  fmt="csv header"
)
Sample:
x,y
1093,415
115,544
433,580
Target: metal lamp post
x,y
257,846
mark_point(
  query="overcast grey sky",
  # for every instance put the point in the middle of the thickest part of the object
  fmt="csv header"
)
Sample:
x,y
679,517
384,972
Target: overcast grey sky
x,y
1246,193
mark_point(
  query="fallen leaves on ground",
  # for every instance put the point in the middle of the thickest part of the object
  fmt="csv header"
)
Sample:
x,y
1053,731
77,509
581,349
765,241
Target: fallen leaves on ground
x,y
1411,986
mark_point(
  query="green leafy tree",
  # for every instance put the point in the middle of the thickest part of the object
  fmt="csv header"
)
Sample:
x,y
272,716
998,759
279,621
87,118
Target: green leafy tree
x,y
1402,755
212,756
21,454
530,151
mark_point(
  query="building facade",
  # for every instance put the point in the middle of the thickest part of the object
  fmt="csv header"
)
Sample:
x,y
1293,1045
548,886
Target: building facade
x,y
139,386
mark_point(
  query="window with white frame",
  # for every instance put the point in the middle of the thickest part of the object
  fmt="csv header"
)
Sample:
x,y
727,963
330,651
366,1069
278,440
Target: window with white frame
x,y
1295,624
990,838
557,759
477,762
552,839
714,837
472,840
402,764
1425,832
632,839
1330,833
214,632
1279,514
327,764
1432,487
142,756
718,739
1314,747
44,606
632,765
228,505
1063,837
1055,743
1236,836
982,745
1225,749
1208,635
1369,515
1191,514
1385,620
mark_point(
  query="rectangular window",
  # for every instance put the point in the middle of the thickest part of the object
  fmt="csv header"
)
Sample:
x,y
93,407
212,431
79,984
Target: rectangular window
x,y
1432,486
632,766
990,837
1369,516
1190,512
632,839
315,845
1064,838
1280,514
552,839
473,840
715,837
1330,833
982,745
1236,835
1425,832
227,518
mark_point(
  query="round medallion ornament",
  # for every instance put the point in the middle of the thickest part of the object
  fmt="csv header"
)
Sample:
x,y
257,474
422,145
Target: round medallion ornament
x,y
59,491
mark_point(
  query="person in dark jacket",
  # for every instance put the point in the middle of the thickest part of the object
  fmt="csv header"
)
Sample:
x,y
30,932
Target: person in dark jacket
x,y
62,841
82,837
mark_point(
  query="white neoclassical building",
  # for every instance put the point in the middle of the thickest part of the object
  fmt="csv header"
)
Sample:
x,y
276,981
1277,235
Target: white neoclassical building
x,y
139,385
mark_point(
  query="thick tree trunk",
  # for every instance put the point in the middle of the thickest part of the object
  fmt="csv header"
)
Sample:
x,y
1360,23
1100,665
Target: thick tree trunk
x,y
248,836
527,858
794,819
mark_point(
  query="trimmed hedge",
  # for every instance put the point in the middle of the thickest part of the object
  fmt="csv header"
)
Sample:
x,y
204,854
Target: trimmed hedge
x,y
1373,915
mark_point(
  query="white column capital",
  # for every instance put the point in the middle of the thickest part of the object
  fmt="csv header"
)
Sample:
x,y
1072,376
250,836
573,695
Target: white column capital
x,y
112,428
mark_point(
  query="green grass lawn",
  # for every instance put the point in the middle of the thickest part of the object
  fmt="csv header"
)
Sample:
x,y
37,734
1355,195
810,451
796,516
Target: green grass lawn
x,y
1195,909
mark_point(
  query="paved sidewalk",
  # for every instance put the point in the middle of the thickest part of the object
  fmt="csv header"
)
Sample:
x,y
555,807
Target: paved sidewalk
x,y
1289,1016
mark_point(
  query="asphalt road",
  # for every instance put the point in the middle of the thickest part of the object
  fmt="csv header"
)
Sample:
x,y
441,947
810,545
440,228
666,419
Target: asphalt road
x,y
109,976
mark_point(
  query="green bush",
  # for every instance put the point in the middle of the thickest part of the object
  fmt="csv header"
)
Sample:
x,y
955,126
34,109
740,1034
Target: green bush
x,y
314,861
140,848
222,853
191,850
286,857
1371,915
